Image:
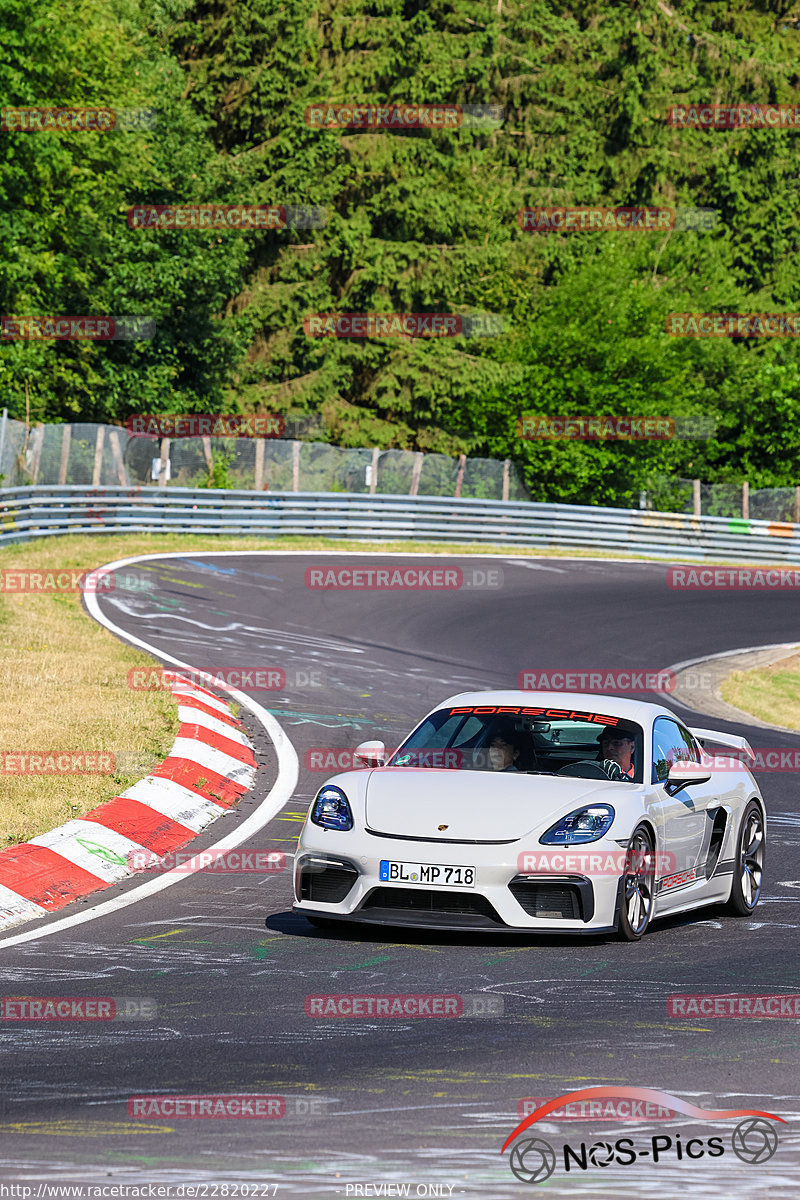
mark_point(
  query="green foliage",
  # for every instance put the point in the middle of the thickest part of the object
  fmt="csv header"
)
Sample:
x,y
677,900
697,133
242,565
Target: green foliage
x,y
219,473
63,199
419,221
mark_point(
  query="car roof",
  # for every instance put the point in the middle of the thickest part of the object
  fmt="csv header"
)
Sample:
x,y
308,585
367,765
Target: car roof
x,y
642,712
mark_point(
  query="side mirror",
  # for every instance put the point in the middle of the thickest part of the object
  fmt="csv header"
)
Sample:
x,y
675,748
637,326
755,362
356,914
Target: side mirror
x,y
684,773
371,754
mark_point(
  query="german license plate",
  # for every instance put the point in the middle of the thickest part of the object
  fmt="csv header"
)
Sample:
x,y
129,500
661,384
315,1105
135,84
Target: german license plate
x,y
427,874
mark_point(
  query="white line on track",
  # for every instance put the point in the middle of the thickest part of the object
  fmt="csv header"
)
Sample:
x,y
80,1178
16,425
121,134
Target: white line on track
x,y
707,658
693,662
279,794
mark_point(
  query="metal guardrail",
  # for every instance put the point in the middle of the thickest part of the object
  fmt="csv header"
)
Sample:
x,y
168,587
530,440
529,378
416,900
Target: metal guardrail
x,y
33,512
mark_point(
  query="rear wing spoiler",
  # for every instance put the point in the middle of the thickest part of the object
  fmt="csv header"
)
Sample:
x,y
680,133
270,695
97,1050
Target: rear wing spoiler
x,y
723,739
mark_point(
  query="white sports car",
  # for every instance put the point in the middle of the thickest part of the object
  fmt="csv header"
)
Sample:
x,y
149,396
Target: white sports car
x,y
537,811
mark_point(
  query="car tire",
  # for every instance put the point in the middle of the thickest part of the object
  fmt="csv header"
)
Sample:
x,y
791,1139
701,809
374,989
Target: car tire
x,y
637,886
748,865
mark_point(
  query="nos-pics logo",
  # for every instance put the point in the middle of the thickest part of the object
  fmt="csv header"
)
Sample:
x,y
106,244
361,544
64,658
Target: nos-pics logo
x,y
533,1159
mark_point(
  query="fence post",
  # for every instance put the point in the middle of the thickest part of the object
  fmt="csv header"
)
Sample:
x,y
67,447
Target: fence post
x,y
66,438
37,441
259,479
415,473
119,462
3,423
506,477
207,455
373,479
462,462
98,455
696,496
163,454
295,466
746,500
797,506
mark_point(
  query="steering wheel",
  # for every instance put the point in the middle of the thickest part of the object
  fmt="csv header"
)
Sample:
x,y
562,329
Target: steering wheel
x,y
584,770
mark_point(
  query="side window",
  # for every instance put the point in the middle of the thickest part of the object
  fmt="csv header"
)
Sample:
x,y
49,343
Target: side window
x,y
692,753
671,742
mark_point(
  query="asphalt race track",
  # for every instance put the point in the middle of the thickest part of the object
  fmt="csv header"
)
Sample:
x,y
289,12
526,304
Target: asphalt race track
x,y
423,1103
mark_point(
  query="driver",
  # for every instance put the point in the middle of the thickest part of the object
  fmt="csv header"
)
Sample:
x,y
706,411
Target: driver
x,y
505,750
616,748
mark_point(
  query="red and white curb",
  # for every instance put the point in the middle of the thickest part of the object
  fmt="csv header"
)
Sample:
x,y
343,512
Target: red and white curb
x,y
210,766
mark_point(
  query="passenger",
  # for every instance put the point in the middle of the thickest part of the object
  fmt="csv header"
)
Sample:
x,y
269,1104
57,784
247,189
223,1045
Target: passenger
x,y
616,749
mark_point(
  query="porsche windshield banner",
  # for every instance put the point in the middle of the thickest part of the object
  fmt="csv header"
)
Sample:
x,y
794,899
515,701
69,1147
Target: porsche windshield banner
x,y
558,714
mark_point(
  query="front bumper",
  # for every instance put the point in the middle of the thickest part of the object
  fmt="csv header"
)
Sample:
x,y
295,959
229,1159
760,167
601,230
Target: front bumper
x,y
344,883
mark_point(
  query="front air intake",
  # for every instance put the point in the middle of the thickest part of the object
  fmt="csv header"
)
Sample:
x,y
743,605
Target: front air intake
x,y
554,899
326,883
432,903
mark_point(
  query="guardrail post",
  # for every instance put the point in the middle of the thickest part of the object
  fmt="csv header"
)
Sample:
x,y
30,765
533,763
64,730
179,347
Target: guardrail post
x,y
66,438
98,455
745,501
696,496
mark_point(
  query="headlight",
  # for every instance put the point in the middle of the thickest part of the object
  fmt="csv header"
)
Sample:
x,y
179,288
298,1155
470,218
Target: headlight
x,y
583,825
331,809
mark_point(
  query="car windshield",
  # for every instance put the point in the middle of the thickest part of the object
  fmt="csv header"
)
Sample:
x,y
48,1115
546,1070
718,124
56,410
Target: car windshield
x,y
527,740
